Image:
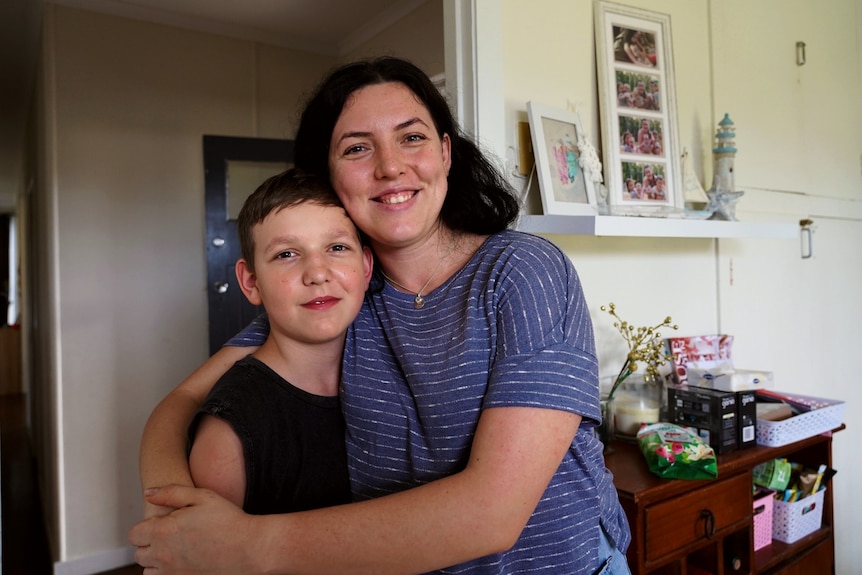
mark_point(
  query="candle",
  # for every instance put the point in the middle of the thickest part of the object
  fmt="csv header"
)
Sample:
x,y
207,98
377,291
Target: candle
x,y
629,414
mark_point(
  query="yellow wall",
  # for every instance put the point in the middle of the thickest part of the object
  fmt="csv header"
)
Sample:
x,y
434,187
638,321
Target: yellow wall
x,y
799,157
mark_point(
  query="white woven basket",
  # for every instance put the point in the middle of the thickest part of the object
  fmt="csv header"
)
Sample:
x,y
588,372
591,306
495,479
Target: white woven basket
x,y
814,422
793,521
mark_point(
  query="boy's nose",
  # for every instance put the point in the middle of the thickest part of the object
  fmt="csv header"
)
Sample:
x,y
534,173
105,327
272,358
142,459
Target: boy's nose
x,y
317,271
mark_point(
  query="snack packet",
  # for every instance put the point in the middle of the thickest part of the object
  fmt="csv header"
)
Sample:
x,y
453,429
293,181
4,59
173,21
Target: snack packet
x,y
674,452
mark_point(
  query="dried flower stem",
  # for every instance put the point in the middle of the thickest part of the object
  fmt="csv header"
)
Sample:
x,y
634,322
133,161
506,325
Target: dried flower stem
x,y
644,343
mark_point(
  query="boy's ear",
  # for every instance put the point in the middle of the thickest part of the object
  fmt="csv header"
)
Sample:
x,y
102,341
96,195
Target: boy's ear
x,y
367,264
248,282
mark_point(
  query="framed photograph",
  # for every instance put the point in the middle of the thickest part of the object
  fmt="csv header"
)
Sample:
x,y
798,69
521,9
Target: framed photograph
x,y
555,134
637,97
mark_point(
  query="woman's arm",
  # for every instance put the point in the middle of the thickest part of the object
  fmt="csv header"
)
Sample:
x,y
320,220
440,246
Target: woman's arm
x,y
164,455
477,512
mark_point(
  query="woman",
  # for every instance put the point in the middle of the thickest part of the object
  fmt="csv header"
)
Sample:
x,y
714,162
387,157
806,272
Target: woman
x,y
469,386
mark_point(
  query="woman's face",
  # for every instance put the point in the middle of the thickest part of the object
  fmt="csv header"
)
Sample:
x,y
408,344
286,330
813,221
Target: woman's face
x,y
388,165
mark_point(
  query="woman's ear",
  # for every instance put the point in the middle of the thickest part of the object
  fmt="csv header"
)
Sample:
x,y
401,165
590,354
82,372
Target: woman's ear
x,y
367,264
447,152
248,282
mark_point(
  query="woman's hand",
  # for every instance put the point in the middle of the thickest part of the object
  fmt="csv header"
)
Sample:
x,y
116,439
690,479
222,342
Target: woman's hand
x,y
205,534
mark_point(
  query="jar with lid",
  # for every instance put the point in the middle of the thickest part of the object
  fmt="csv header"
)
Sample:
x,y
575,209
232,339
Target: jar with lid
x,y
637,401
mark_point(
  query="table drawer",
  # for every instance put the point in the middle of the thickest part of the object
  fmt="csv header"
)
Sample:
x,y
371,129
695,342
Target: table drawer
x,y
676,523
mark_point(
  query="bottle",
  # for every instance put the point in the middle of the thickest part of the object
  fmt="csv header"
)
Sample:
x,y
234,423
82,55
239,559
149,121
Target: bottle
x,y
734,563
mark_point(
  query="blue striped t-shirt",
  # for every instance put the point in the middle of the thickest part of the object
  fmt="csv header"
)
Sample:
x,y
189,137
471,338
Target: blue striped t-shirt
x,y
511,328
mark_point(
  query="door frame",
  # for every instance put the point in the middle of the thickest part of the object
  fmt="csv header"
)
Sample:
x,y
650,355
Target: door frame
x,y
218,151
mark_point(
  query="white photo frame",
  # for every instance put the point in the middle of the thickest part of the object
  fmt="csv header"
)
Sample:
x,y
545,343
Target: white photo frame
x,y
637,95
563,183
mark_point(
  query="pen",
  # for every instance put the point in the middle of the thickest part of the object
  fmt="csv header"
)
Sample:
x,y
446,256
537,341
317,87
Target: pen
x,y
820,471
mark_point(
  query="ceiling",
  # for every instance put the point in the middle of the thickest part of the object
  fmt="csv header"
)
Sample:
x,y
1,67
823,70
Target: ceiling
x,y
323,26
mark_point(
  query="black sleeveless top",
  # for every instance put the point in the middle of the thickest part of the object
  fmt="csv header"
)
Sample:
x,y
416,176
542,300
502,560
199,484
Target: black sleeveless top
x,y
293,441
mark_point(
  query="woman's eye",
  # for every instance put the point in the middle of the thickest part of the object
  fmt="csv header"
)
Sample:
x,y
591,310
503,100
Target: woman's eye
x,y
415,138
356,149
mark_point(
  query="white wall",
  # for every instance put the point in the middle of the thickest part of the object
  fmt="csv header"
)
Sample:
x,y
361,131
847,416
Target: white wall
x,y
797,318
418,34
119,246
128,104
120,260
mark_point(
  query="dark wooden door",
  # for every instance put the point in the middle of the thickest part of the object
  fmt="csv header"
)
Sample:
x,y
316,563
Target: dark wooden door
x,y
233,168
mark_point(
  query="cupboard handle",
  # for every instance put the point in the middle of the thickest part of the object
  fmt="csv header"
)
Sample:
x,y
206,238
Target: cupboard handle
x,y
805,232
708,523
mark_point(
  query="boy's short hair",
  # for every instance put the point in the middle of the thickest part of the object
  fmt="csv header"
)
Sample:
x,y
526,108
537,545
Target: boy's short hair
x,y
289,188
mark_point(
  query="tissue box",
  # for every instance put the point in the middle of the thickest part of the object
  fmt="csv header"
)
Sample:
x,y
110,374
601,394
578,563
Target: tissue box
x,y
733,380
704,351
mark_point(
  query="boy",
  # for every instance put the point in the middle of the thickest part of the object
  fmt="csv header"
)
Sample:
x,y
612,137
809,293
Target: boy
x,y
270,436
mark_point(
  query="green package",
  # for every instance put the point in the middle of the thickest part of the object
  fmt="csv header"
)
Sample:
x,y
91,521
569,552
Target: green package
x,y
774,474
674,452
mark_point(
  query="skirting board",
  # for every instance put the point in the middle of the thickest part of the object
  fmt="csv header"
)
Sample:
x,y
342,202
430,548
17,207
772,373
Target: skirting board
x,y
96,563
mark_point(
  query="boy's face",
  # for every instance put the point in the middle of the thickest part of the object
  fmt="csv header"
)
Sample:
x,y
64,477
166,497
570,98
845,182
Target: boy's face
x,y
311,272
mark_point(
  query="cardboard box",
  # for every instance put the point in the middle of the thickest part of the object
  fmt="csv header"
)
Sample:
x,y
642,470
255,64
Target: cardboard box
x,y
746,417
711,413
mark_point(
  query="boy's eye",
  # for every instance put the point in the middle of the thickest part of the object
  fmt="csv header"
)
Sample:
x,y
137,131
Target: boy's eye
x,y
286,254
340,248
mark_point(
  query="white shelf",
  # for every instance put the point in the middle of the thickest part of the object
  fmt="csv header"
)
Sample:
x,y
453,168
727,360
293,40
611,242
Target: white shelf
x,y
635,226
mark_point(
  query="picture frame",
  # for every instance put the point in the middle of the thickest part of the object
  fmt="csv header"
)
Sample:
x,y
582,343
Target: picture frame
x,y
564,185
637,100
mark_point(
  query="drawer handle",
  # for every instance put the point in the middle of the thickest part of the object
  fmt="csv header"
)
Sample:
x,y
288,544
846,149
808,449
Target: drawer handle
x,y
708,524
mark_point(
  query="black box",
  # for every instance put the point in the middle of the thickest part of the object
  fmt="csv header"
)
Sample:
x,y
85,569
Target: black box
x,y
710,412
746,416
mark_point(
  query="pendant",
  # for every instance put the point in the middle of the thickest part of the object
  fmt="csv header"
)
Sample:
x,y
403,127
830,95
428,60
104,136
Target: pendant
x,y
418,302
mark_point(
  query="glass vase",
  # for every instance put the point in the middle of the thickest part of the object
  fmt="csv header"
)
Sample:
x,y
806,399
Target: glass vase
x,y
606,429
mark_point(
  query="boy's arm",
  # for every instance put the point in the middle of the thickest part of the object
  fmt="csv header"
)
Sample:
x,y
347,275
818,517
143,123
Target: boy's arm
x,y
216,460
163,456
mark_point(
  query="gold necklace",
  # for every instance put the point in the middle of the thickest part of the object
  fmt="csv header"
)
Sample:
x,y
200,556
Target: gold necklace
x,y
419,301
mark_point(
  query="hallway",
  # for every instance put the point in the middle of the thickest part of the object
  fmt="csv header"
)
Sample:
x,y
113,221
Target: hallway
x,y
25,543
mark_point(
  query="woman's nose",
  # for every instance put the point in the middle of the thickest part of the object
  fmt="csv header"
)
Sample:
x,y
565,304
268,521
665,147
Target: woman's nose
x,y
389,162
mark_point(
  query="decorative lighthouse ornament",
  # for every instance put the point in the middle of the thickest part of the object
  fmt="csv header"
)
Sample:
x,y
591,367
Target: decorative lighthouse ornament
x,y
722,195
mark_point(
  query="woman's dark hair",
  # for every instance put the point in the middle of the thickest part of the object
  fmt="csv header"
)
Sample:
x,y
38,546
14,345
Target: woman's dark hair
x,y
479,199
